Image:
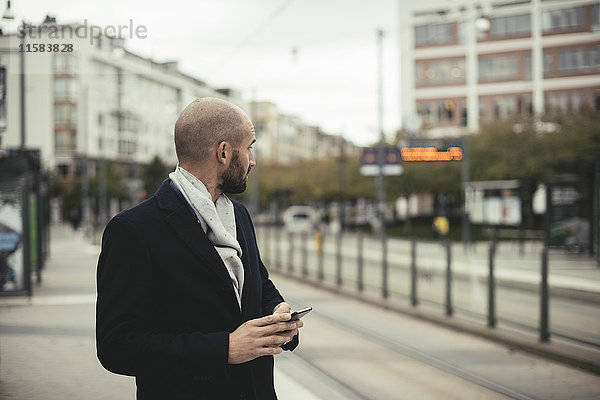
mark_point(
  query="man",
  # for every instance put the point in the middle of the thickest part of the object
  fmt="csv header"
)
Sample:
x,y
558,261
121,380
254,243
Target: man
x,y
185,303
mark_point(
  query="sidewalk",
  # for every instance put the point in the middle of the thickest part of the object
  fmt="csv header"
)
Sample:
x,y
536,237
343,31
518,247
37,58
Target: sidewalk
x,y
47,342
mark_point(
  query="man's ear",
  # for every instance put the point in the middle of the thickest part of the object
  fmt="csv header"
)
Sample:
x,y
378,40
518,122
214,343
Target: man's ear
x,y
223,152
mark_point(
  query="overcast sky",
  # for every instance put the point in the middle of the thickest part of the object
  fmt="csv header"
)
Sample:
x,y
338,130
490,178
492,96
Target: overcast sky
x,y
316,59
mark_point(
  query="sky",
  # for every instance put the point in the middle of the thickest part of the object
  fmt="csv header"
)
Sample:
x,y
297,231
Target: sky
x,y
316,59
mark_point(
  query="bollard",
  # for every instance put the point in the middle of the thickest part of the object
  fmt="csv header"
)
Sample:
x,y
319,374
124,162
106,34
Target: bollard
x,y
413,272
319,241
449,309
384,268
320,274
359,260
544,317
491,285
338,259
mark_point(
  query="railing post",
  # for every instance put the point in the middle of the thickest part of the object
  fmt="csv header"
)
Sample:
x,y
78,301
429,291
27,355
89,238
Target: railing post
x,y
413,272
544,310
360,262
338,259
492,283
449,309
278,244
384,268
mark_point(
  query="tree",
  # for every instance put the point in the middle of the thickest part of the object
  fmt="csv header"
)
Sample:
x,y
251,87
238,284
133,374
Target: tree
x,y
153,175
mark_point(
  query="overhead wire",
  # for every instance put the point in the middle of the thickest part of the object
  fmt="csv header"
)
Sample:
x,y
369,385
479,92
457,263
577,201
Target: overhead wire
x,y
254,33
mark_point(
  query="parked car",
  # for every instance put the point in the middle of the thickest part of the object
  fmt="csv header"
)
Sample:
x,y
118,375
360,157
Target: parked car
x,y
300,219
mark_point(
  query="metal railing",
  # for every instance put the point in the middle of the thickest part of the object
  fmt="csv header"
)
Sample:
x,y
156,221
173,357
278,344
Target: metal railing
x,y
434,274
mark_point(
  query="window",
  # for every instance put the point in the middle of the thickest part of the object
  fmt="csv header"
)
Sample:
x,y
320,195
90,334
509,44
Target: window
x,y
65,88
63,170
64,64
506,106
527,66
127,147
439,72
510,26
431,34
500,107
567,19
499,67
64,141
440,112
65,114
595,17
579,60
566,101
548,63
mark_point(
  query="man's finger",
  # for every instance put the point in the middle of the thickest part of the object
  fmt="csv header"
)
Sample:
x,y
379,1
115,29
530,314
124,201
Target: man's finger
x,y
272,319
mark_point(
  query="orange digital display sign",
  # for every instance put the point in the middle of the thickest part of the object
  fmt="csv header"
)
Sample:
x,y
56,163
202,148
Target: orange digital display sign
x,y
431,154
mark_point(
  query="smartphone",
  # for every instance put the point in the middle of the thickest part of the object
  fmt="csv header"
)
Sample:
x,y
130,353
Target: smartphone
x,y
296,315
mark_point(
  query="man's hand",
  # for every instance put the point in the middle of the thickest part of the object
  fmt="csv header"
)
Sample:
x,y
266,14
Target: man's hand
x,y
285,308
261,337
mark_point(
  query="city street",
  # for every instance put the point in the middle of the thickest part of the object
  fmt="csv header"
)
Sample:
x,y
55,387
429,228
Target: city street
x,y
349,349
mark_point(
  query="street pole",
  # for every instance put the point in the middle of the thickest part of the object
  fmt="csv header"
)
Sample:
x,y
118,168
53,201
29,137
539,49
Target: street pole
x,y
85,173
380,176
22,88
465,178
103,195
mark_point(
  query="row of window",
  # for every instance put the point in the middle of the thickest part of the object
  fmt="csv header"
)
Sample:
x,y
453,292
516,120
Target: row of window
x,y
454,112
510,66
511,26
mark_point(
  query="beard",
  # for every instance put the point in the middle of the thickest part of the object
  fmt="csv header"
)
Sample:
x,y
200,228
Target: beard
x,y
234,178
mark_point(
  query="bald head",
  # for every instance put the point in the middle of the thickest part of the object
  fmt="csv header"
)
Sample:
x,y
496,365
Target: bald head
x,y
205,123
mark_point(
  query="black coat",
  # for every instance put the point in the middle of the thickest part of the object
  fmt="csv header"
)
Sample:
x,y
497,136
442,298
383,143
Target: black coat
x,y
166,304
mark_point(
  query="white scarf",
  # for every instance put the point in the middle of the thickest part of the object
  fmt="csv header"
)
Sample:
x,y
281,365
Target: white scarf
x,y
218,222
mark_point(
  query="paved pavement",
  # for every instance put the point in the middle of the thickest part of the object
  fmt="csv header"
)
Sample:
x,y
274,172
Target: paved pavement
x,y
47,343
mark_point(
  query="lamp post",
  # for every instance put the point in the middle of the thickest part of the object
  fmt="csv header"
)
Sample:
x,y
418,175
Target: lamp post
x,y
22,85
380,161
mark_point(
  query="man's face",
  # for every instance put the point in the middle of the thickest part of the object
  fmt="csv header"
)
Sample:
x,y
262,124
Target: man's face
x,y
235,177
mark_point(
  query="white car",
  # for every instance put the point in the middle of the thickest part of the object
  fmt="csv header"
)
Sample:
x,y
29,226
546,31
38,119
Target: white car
x,y
300,219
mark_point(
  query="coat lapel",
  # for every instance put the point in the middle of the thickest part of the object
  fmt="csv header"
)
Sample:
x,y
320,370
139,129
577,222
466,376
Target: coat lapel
x,y
189,231
241,238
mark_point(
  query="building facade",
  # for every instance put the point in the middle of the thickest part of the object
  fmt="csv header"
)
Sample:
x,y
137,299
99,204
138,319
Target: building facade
x,y
87,99
286,139
485,60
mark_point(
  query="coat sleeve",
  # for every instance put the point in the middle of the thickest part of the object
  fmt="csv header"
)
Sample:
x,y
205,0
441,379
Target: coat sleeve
x,y
127,341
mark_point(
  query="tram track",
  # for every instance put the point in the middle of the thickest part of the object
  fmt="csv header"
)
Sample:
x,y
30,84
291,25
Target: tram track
x,y
352,392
